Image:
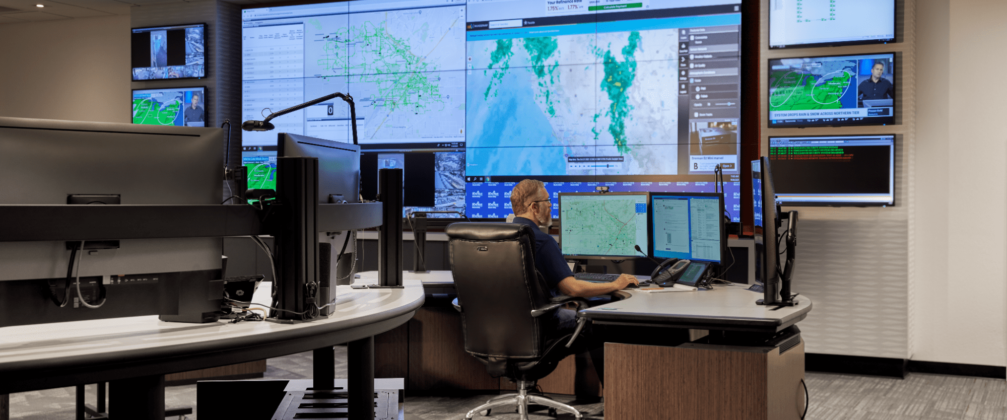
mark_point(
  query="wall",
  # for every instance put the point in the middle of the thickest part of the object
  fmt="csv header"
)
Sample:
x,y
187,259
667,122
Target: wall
x,y
76,69
961,187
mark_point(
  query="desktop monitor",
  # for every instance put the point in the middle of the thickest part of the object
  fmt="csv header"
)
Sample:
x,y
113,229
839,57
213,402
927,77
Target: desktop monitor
x,y
687,226
603,226
834,170
338,165
185,106
766,223
45,161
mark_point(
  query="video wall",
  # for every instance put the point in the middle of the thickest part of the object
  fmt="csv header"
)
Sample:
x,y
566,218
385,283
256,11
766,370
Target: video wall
x,y
634,96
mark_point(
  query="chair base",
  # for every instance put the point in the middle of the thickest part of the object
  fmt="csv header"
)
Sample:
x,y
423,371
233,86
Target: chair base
x,y
522,400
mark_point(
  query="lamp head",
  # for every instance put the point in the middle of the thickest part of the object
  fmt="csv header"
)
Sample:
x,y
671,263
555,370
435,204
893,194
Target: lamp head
x,y
257,125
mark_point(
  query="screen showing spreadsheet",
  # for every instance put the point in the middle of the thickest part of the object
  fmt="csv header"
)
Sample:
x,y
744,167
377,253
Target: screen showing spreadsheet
x,y
687,226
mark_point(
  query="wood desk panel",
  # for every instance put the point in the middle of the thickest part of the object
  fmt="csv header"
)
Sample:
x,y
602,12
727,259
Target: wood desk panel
x,y
437,357
240,370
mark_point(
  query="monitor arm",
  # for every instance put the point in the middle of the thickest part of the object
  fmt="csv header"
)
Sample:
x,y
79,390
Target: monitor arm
x,y
265,125
788,271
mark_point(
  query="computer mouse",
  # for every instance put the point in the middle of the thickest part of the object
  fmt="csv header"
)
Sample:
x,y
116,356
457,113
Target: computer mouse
x,y
632,286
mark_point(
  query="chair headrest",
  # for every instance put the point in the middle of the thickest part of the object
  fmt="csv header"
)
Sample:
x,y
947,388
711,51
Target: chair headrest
x,y
487,231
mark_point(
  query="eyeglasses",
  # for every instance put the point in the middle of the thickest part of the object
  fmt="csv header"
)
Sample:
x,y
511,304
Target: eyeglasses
x,y
539,201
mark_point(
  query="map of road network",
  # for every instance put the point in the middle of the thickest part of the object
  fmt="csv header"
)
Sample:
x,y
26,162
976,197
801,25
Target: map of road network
x,y
809,84
611,95
261,175
610,226
164,110
399,66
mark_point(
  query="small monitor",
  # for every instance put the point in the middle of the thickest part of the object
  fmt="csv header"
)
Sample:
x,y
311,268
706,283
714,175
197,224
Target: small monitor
x,y
834,170
181,107
169,52
687,226
603,226
766,224
338,165
797,24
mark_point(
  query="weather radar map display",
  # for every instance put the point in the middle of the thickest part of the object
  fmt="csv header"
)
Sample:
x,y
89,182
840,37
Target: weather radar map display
x,y
632,95
174,106
838,90
607,225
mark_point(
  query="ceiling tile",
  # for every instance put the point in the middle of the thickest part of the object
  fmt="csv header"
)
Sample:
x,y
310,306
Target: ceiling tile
x,y
35,16
8,19
107,6
60,9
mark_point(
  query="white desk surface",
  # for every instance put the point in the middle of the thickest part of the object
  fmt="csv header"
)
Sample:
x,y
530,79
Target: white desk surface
x,y
128,340
433,277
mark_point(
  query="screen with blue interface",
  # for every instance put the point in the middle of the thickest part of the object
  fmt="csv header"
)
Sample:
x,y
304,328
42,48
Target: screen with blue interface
x,y
633,95
808,23
687,227
603,225
170,106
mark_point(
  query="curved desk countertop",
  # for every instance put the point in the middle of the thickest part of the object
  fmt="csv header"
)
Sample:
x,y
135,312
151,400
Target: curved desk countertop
x,y
63,354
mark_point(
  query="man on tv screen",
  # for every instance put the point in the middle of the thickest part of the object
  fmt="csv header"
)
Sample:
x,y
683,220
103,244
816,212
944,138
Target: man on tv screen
x,y
194,113
877,87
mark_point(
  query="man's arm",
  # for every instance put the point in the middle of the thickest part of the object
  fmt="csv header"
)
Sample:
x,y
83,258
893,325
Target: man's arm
x,y
585,289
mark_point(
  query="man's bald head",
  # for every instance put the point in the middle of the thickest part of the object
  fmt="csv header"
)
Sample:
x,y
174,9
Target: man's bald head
x,y
524,192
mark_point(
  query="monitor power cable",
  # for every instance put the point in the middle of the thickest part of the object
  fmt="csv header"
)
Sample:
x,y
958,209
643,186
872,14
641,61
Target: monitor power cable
x,y
79,295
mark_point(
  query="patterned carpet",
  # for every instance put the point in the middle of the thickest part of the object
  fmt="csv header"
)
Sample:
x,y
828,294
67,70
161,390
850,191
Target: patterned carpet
x,y
833,397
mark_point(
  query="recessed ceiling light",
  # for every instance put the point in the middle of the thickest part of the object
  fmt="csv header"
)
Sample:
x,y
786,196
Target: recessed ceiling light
x,y
40,5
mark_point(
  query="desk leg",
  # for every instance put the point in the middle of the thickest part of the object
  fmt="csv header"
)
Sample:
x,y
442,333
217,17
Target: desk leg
x,y
324,369
80,402
4,407
139,398
361,379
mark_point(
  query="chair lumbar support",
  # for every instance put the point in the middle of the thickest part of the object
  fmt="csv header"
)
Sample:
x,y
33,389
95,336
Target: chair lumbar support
x,y
522,400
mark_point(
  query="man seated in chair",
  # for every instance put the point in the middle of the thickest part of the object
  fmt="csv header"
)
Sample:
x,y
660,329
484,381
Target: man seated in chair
x,y
532,208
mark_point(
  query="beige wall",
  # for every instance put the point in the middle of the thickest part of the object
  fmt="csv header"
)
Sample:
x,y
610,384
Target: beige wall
x,y
961,184
75,69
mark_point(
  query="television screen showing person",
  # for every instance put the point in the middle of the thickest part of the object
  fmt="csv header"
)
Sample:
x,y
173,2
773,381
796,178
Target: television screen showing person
x,y
877,88
194,113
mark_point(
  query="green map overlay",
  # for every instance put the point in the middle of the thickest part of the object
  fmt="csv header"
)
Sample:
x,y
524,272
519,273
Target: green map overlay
x,y
605,228
261,176
150,112
797,91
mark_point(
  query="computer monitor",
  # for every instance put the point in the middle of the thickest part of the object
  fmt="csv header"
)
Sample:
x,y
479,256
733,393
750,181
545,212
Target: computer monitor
x,y
603,226
766,223
687,226
834,170
338,165
46,161
182,106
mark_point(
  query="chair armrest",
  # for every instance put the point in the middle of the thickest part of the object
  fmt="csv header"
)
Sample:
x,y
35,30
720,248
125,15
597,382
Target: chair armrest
x,y
458,306
535,313
564,299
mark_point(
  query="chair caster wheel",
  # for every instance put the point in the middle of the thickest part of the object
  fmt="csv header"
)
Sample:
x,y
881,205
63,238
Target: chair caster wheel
x,y
552,412
488,412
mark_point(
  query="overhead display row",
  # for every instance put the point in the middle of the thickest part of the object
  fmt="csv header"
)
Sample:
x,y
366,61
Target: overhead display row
x,y
634,95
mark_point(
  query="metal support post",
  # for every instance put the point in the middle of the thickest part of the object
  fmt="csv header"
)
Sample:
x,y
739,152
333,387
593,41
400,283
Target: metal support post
x,y
361,379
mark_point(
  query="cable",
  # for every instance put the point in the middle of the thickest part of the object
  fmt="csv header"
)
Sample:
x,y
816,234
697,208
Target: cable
x,y
270,307
353,265
231,197
81,297
807,399
419,250
66,283
272,268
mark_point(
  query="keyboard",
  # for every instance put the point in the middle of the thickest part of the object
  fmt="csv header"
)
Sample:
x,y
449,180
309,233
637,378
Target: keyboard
x,y
596,277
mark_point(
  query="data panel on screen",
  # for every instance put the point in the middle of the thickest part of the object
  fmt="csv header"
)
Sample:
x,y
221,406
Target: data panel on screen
x,y
636,96
832,91
168,52
603,225
817,23
834,170
170,106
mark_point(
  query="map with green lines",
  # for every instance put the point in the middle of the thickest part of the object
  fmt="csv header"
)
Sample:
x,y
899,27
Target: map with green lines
x,y
162,110
810,84
610,95
261,172
398,66
605,225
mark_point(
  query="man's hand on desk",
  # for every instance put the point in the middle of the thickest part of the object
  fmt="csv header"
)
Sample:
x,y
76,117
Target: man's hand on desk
x,y
625,281
585,289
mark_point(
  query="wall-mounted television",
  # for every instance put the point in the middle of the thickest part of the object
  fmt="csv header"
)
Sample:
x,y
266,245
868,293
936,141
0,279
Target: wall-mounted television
x,y
834,170
822,23
184,106
837,90
169,52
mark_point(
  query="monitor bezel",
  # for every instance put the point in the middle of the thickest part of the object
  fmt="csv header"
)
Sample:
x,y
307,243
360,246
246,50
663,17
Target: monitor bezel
x,y
650,221
559,200
894,176
865,122
894,39
206,112
206,70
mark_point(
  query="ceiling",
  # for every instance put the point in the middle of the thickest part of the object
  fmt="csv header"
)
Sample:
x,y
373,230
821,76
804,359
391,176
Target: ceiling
x,y
20,11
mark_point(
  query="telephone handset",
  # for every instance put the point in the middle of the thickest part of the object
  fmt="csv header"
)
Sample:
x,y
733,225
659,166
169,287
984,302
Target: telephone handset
x,y
672,270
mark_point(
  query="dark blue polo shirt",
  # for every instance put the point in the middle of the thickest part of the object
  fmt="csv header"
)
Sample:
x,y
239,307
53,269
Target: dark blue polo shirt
x,y
880,90
548,258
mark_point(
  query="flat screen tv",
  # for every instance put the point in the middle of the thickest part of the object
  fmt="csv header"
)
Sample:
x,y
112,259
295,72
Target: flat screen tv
x,y
839,90
834,170
813,23
169,52
184,106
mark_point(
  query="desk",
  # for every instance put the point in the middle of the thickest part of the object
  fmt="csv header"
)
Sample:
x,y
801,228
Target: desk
x,y
745,377
135,353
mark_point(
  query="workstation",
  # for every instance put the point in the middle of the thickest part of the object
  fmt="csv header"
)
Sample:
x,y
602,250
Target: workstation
x,y
501,209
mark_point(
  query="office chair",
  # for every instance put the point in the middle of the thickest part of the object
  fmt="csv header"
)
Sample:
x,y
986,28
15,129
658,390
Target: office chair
x,y
507,310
